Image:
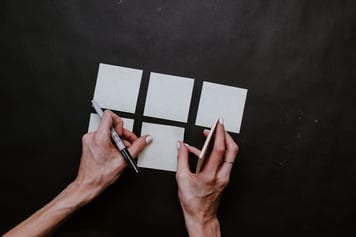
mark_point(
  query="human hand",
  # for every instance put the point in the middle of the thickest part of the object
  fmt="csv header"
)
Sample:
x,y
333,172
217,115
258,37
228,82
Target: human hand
x,y
199,194
101,162
100,165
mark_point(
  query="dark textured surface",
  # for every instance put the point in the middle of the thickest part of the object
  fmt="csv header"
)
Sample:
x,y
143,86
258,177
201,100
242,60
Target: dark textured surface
x,y
295,174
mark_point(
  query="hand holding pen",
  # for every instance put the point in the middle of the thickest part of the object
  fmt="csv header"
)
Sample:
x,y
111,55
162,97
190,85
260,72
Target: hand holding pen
x,y
101,162
116,139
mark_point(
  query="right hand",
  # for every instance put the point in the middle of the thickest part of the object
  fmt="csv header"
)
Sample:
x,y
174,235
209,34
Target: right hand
x,y
199,194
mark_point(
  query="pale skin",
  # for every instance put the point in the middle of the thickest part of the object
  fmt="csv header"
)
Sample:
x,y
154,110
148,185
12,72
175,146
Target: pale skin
x,y
101,165
199,194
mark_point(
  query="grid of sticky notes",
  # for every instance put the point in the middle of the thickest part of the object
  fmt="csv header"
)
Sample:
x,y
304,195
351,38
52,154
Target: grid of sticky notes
x,y
168,97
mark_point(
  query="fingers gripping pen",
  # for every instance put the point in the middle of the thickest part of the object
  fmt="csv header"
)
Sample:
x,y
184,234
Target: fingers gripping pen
x,y
115,137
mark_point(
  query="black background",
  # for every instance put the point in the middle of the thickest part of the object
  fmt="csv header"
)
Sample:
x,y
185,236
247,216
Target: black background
x,y
295,170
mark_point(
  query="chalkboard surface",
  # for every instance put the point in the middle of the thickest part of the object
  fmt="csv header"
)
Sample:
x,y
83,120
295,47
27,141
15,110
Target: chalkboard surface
x,y
295,174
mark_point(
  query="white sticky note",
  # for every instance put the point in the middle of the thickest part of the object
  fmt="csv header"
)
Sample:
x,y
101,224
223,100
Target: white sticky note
x,y
117,87
161,154
95,120
221,101
168,97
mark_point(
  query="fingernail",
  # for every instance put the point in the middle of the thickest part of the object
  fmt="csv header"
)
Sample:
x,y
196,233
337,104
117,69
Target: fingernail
x,y
221,120
149,139
206,130
178,145
187,145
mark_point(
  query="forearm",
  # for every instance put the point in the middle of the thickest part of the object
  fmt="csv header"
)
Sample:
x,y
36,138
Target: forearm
x,y
198,228
47,219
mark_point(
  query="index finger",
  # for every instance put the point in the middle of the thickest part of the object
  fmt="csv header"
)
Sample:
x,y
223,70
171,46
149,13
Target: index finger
x,y
106,122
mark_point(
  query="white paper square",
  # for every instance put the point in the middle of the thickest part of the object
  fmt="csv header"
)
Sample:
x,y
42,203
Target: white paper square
x,y
168,97
95,120
117,87
221,101
161,154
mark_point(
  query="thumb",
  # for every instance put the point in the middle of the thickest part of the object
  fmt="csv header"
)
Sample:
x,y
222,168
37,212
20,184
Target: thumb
x,y
139,144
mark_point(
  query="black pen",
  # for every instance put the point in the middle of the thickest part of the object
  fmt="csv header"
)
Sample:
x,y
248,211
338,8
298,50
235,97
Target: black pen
x,y
115,137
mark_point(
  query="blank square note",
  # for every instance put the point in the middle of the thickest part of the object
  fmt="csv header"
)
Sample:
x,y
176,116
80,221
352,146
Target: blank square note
x,y
221,101
117,87
95,120
162,152
168,97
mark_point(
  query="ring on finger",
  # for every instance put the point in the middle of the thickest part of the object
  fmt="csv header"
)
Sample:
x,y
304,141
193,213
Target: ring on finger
x,y
229,162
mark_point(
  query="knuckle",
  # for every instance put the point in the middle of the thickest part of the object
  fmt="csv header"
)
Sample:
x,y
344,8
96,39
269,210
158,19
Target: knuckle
x,y
234,148
86,138
220,150
210,179
223,182
107,112
117,119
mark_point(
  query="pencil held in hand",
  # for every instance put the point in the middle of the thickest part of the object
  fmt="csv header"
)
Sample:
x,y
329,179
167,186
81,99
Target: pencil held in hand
x,y
205,148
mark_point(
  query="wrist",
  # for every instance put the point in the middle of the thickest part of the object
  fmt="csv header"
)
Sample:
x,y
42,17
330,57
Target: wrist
x,y
202,226
81,194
